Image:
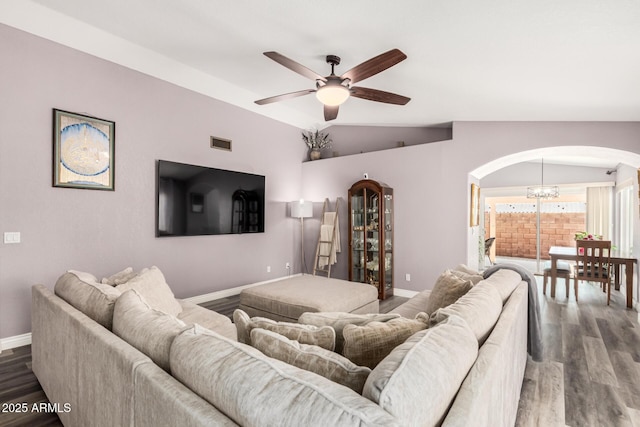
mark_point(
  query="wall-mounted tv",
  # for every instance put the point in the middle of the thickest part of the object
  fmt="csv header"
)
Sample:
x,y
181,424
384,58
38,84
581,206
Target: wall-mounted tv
x,y
196,200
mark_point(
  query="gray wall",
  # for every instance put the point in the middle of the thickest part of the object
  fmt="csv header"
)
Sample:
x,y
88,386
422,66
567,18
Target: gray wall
x,y
349,140
432,185
104,232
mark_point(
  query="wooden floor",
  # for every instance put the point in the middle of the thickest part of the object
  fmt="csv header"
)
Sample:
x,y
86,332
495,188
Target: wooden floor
x,y
590,375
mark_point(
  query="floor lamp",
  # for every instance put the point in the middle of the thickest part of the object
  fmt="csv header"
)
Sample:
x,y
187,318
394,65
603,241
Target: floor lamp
x,y
302,209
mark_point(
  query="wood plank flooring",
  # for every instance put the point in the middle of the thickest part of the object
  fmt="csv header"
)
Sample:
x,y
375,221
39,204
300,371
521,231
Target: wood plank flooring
x,y
590,375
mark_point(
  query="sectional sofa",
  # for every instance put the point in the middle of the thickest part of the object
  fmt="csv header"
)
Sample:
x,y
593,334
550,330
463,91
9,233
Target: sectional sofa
x,y
128,363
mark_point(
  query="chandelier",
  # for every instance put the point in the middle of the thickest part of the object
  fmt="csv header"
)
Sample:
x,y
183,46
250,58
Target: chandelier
x,y
541,191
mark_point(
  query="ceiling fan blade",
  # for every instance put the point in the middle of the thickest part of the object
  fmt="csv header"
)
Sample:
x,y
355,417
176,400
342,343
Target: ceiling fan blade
x,y
330,113
379,95
374,65
294,66
284,96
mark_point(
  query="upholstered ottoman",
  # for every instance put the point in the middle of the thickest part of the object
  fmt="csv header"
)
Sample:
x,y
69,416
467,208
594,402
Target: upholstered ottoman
x,y
285,300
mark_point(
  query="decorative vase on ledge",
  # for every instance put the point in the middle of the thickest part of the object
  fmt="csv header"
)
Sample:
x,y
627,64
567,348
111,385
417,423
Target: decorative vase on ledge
x,y
314,154
316,141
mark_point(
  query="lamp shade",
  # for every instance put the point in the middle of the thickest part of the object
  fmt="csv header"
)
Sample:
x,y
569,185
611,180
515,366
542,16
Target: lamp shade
x,y
301,209
332,94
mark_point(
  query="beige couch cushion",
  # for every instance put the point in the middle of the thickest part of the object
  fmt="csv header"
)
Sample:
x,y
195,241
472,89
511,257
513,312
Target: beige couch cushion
x,y
497,374
151,284
311,358
446,291
150,331
480,308
255,390
324,337
193,313
505,281
85,293
367,345
119,278
474,278
418,380
415,305
287,299
339,319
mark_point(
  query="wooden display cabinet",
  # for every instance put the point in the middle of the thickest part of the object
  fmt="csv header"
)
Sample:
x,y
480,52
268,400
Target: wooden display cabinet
x,y
371,235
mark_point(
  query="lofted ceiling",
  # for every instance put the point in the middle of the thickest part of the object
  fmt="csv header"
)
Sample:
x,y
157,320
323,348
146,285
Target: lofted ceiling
x,y
496,60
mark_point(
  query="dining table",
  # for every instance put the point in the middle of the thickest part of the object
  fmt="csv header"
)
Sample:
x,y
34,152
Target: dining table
x,y
569,253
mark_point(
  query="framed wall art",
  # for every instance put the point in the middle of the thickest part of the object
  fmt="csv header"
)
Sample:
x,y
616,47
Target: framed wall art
x,y
474,213
83,151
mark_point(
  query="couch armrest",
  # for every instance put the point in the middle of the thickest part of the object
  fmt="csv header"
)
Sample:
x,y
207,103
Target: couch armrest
x,y
80,363
415,305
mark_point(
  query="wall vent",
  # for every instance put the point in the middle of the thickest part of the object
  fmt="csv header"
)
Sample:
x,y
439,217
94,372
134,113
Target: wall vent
x,y
221,143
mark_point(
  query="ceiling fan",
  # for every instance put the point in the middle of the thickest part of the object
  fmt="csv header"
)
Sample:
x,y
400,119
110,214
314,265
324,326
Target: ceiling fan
x,y
334,90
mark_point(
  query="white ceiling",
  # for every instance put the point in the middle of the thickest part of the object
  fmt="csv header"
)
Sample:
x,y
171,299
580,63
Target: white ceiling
x,y
497,60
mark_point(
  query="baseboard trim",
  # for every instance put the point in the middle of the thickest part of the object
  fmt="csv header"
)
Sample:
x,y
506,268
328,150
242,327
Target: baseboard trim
x,y
199,299
15,341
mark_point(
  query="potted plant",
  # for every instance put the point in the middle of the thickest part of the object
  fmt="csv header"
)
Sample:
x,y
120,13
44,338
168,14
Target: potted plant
x,y
316,141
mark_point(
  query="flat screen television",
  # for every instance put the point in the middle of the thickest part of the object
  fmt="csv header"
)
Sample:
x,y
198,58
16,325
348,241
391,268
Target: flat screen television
x,y
197,200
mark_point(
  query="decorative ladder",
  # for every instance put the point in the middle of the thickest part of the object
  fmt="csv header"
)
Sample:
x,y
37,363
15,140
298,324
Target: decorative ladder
x,y
328,239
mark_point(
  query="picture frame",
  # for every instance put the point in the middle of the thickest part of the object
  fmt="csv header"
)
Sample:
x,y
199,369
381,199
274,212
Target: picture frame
x,y
83,151
474,214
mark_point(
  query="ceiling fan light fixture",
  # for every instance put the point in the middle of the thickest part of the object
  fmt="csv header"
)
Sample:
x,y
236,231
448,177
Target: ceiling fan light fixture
x,y
332,95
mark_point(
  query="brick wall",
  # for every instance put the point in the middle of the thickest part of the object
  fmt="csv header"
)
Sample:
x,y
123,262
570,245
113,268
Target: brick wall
x,y
516,232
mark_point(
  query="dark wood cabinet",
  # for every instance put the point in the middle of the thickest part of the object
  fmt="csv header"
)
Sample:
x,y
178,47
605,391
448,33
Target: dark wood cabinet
x,y
371,235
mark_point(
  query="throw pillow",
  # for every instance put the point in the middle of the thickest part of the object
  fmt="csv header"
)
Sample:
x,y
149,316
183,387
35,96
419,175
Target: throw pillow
x,y
473,278
420,378
367,345
480,308
446,291
339,319
324,337
84,292
151,284
119,278
466,269
505,281
150,331
311,358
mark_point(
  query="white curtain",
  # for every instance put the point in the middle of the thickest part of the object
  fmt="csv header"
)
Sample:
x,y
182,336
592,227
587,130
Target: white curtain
x,y
599,200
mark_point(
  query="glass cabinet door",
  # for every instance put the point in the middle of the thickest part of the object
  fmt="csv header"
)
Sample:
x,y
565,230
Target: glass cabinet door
x,y
357,237
388,242
371,235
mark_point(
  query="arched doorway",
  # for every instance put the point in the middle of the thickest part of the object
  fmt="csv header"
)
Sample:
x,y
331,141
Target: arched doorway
x,y
616,160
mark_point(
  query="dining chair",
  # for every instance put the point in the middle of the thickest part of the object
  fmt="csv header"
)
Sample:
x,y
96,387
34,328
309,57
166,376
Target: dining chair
x,y
563,270
594,264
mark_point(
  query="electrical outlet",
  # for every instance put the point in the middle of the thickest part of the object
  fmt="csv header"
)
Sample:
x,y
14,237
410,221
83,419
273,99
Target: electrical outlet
x,y
287,266
268,269
12,237
407,277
